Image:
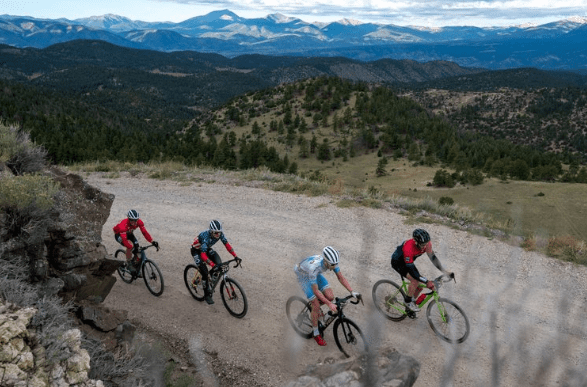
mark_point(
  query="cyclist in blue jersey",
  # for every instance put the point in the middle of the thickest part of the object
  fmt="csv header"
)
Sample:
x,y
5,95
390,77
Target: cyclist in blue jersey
x,y
315,286
203,254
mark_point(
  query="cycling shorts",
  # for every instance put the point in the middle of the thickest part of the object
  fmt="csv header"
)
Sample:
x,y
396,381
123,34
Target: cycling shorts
x,y
306,285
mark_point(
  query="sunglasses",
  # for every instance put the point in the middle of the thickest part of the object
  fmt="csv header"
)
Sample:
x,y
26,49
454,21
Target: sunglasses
x,y
216,233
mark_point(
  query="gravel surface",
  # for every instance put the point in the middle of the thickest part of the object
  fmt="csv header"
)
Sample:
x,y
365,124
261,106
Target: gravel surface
x,y
526,310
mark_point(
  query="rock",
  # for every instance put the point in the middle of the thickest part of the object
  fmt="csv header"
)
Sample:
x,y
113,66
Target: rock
x,y
389,368
101,318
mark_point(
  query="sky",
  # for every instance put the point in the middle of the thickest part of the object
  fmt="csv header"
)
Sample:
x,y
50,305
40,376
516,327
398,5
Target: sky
x,y
425,13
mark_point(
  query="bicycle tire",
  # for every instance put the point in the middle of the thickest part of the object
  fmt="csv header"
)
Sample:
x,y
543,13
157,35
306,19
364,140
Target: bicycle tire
x,y
191,273
349,338
452,324
388,298
234,298
298,313
123,271
153,277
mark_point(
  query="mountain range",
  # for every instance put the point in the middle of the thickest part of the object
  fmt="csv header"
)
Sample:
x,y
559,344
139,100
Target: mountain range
x,y
560,45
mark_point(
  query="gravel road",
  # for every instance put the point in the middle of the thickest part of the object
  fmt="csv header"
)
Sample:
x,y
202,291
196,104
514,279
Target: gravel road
x,y
526,311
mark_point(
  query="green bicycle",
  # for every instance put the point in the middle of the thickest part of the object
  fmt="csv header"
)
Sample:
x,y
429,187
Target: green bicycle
x,y
445,317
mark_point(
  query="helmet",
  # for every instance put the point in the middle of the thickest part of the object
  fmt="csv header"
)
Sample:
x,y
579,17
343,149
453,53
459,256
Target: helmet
x,y
215,226
421,236
133,215
330,255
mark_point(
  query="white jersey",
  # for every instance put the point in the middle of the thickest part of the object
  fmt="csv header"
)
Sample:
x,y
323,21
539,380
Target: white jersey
x,y
312,266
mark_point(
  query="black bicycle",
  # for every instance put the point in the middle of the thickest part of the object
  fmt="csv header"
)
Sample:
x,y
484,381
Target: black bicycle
x,y
347,335
147,268
233,295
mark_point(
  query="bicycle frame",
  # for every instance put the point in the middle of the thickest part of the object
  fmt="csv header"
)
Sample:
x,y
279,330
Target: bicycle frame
x,y
224,267
432,294
340,305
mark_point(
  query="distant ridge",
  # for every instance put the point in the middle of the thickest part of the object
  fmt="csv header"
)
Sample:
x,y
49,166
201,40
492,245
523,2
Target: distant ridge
x,y
559,45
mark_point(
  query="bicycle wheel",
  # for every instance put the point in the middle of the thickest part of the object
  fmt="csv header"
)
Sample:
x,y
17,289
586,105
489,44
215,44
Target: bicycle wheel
x,y
349,338
298,314
388,298
153,277
448,320
193,281
234,298
123,271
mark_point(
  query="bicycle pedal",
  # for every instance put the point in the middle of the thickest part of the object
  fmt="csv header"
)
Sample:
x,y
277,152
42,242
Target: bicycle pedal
x,y
412,315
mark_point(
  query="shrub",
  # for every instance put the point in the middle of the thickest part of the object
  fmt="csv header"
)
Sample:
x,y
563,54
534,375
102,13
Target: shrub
x,y
446,201
23,191
19,153
443,179
565,247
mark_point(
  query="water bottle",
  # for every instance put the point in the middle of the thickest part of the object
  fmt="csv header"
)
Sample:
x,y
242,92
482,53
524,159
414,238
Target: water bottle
x,y
421,298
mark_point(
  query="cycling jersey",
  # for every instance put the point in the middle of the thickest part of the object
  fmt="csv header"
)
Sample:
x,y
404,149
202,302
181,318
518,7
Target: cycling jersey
x,y
403,259
124,228
309,272
311,267
205,240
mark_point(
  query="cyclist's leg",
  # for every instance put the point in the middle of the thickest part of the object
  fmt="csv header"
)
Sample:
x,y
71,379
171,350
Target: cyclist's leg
x,y
324,287
118,239
413,288
306,286
213,255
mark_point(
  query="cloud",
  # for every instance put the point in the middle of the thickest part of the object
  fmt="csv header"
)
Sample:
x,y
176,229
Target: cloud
x,y
437,12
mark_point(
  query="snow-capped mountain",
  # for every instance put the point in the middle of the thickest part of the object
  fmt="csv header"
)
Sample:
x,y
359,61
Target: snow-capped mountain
x,y
226,33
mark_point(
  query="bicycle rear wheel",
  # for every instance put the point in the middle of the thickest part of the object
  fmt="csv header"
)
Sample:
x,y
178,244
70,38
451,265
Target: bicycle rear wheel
x,y
448,320
388,298
123,270
234,298
299,316
153,277
193,281
349,338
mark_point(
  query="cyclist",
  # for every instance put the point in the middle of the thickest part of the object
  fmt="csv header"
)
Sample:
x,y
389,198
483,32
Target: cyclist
x,y
203,254
315,286
403,261
123,233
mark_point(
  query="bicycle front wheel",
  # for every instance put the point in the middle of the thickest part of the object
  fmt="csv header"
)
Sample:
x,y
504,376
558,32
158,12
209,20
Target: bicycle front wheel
x,y
349,338
298,314
153,277
448,320
123,270
388,298
234,298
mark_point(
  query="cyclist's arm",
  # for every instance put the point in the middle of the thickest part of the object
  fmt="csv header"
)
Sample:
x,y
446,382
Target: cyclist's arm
x,y
229,249
343,281
144,231
435,261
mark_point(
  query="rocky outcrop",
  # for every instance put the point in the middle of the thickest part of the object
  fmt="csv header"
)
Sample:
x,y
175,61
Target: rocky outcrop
x,y
387,368
22,358
64,248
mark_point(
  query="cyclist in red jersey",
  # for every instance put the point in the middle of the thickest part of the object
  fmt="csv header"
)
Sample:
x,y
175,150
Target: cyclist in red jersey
x,y
123,233
403,261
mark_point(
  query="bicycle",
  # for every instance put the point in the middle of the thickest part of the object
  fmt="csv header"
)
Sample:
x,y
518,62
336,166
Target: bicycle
x,y
233,295
347,335
447,319
149,270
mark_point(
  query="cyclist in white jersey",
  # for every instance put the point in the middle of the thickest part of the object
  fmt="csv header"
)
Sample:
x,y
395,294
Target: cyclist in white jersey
x,y
315,286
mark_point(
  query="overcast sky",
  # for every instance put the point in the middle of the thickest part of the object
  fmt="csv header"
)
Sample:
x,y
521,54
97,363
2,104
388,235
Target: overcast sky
x,y
428,13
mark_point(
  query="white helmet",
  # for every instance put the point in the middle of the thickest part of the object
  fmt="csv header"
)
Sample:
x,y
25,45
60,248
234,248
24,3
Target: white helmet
x,y
330,255
215,226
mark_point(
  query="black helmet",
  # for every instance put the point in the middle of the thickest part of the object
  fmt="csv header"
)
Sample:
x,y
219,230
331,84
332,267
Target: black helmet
x,y
215,226
421,236
133,215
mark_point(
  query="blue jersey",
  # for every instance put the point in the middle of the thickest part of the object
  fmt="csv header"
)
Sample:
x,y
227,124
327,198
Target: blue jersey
x,y
311,267
206,240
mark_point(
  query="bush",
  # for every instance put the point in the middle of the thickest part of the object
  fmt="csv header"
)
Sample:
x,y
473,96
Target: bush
x,y
19,153
446,201
443,179
20,192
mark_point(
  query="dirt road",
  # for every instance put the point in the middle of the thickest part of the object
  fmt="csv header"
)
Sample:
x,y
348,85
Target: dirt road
x,y
527,311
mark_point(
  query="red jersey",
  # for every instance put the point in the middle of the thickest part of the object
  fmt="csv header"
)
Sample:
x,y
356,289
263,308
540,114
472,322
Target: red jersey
x,y
125,227
412,251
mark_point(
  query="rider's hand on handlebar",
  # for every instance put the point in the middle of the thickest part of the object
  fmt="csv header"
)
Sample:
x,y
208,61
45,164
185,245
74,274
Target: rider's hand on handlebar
x,y
430,285
156,244
332,307
357,295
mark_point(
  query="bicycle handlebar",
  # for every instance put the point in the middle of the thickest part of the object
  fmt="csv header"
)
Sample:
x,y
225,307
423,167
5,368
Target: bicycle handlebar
x,y
143,248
